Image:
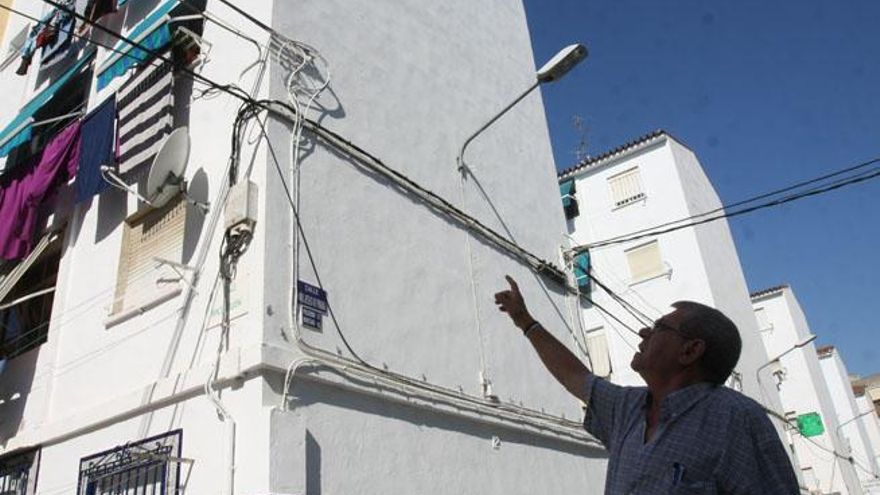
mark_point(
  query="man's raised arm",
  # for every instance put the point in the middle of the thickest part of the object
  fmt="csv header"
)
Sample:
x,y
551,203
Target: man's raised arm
x,y
561,362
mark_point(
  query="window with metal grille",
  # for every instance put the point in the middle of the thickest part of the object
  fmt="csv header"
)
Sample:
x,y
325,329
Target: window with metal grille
x,y
626,187
151,466
27,291
148,239
597,346
644,261
18,473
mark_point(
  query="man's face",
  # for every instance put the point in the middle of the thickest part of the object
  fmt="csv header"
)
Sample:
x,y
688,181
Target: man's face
x,y
661,348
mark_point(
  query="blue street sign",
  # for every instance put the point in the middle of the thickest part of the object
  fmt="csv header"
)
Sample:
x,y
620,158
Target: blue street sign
x,y
308,295
311,318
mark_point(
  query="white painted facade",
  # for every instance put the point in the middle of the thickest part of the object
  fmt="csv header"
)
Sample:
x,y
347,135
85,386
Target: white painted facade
x,y
800,382
454,400
871,424
698,263
852,431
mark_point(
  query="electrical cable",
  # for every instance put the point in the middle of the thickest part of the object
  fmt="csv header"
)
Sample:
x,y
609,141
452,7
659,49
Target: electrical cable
x,y
610,314
73,32
628,290
639,316
311,258
837,454
365,158
539,265
755,198
699,219
374,372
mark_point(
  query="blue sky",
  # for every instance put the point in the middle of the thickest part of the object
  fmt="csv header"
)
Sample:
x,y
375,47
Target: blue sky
x,y
766,94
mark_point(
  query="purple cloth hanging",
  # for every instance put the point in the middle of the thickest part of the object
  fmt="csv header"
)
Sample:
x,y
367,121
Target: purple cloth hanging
x,y
23,190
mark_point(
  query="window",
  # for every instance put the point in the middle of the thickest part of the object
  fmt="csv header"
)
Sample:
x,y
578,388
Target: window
x,y
18,473
810,479
626,188
147,466
27,291
644,261
569,201
597,346
149,238
65,104
763,321
13,51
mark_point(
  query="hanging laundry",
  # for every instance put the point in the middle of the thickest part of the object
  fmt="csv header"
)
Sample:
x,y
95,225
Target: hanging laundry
x,y
23,190
59,36
41,35
145,107
97,148
95,10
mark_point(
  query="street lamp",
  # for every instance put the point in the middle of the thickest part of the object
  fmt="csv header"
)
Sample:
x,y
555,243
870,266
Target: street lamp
x,y
553,70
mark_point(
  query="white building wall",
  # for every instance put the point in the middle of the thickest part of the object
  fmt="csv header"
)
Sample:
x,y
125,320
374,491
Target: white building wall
x,y
802,390
398,274
871,424
851,429
700,263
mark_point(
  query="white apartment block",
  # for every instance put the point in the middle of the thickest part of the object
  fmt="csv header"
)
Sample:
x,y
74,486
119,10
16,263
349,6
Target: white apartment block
x,y
616,203
653,181
852,416
801,383
132,366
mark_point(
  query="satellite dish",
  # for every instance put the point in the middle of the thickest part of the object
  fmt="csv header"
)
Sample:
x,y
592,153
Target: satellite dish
x,y
166,173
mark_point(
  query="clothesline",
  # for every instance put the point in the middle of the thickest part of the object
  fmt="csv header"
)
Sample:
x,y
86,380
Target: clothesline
x,y
78,113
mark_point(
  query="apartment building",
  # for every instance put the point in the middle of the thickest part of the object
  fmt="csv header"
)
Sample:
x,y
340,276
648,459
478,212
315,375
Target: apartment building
x,y
311,312
806,396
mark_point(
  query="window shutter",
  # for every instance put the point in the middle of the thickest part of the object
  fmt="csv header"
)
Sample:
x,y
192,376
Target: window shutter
x,y
626,187
569,201
597,346
155,234
644,261
582,271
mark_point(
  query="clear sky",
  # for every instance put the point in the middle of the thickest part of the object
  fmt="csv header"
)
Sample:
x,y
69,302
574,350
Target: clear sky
x,y
766,94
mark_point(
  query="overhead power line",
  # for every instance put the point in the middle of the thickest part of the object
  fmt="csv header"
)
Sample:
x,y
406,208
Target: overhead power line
x,y
728,211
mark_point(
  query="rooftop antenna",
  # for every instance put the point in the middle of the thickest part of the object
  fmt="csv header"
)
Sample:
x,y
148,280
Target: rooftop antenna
x,y
580,152
165,180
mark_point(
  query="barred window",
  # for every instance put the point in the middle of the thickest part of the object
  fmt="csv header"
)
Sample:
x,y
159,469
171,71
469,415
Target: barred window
x,y
18,473
148,466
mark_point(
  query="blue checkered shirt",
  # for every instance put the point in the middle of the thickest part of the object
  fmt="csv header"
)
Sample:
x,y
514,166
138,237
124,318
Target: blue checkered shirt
x,y
709,440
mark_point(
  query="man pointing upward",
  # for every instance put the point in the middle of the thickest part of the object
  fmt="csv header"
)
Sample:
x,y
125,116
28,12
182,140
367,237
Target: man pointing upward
x,y
683,433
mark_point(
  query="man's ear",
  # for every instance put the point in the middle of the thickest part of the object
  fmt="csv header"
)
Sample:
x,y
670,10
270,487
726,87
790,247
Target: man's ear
x,y
692,351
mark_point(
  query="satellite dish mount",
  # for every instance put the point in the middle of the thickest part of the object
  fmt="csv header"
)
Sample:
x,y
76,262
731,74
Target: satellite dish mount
x,y
165,180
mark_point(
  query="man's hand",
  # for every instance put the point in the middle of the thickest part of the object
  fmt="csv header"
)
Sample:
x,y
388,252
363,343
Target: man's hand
x,y
511,302
562,364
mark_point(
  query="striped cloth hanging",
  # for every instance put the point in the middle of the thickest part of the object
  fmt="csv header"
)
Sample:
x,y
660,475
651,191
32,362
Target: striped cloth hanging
x,y
145,105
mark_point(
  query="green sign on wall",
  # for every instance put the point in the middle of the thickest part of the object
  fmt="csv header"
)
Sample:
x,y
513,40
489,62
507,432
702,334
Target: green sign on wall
x,y
810,424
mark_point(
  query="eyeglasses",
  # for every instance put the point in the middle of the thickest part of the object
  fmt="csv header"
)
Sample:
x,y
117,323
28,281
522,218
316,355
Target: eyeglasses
x,y
659,326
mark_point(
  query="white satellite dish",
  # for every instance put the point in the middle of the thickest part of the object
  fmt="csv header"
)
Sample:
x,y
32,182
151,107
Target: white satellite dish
x,y
166,173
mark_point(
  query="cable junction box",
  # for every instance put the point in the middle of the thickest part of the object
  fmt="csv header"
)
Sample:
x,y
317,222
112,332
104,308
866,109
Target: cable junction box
x,y
241,206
